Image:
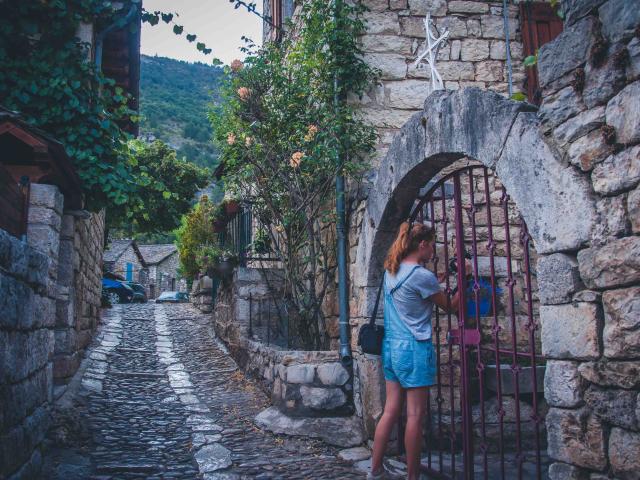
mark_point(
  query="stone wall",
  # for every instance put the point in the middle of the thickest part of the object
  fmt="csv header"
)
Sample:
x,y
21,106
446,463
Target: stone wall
x,y
300,383
79,289
27,305
590,317
49,302
165,272
475,55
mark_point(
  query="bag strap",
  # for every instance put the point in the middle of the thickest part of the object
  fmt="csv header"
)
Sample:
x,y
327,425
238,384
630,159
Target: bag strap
x,y
401,282
372,320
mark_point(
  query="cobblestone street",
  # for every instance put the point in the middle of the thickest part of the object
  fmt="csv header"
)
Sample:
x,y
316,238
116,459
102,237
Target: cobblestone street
x,y
163,399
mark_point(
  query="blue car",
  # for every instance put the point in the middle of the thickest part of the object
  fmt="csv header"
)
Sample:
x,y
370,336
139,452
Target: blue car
x,y
116,292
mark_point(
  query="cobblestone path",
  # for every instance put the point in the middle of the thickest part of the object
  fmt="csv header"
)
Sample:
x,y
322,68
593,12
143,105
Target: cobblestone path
x,y
166,401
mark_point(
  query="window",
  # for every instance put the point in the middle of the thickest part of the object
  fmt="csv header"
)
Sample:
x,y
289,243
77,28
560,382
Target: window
x,y
539,25
275,8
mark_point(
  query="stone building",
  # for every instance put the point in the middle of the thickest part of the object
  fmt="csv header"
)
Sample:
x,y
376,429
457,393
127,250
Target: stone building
x,y
162,262
50,265
124,259
546,197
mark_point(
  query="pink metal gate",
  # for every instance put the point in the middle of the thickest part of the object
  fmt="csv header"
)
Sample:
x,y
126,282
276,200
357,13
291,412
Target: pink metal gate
x,y
485,417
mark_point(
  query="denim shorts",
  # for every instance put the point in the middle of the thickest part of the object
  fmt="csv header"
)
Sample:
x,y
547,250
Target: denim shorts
x,y
410,362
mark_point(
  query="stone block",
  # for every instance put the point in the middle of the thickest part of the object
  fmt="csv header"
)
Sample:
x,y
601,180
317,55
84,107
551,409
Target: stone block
x,y
618,172
624,453
603,81
22,353
45,239
385,118
617,407
455,70
45,216
507,379
633,209
15,304
392,66
407,94
473,28
612,214
322,398
457,27
622,113
560,106
493,26
575,10
437,8
580,125
621,335
567,52
460,6
489,71
398,4
615,264
589,150
612,374
474,50
48,196
332,374
563,471
377,5
576,437
558,278
563,385
619,19
339,431
300,373
387,44
43,313
570,331
382,23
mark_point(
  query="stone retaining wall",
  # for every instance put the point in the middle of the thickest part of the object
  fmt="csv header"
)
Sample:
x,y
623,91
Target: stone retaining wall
x,y
299,383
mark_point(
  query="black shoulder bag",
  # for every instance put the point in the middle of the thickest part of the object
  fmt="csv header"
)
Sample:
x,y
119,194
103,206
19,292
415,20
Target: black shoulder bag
x,y
371,335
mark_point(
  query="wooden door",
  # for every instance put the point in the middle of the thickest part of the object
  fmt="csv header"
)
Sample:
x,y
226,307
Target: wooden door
x,y
539,24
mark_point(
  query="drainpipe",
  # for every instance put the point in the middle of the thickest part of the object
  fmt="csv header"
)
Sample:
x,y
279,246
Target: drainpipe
x,y
505,19
343,301
121,22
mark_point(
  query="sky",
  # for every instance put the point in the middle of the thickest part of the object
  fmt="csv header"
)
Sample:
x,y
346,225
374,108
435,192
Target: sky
x,y
215,22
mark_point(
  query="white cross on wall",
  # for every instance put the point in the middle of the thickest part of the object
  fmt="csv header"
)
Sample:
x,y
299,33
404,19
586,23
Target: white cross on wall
x,y
430,55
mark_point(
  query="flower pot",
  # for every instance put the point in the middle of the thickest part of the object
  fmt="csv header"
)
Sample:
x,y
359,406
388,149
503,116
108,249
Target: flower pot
x,y
232,207
219,225
225,268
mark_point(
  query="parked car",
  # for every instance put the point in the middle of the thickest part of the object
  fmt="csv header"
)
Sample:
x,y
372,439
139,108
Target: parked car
x,y
139,292
173,297
117,292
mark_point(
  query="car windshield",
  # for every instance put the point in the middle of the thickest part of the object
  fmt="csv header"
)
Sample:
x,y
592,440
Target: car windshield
x,y
168,295
137,287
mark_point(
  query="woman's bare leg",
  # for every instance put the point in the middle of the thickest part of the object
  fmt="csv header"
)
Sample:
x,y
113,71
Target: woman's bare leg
x,y
416,404
392,406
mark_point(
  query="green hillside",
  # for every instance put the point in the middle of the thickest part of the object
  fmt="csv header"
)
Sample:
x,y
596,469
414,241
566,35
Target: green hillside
x,y
174,96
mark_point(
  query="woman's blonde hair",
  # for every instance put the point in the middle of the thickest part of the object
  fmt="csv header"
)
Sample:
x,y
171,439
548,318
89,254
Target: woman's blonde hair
x,y
407,241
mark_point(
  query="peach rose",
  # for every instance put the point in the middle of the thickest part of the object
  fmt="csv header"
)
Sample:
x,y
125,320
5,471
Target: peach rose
x,y
236,65
296,158
231,138
244,93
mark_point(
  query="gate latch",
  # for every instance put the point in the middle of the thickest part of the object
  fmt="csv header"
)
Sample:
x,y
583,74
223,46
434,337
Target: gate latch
x,y
470,337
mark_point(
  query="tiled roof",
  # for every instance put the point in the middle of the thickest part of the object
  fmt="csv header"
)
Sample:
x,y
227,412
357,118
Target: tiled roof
x,y
154,254
116,249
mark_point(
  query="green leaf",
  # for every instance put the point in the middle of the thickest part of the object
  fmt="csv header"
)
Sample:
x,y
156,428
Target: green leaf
x,y
530,61
177,29
191,37
519,97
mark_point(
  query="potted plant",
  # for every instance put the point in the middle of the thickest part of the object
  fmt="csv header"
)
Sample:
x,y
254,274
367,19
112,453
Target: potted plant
x,y
219,218
216,261
231,202
261,241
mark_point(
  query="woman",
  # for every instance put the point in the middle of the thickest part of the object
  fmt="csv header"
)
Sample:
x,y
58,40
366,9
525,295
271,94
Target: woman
x,y
408,358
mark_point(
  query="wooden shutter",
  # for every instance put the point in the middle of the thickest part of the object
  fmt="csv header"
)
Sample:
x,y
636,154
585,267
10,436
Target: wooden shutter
x,y
539,25
276,19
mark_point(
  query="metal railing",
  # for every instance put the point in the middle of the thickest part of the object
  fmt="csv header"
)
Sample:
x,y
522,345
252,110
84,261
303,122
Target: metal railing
x,y
269,321
240,237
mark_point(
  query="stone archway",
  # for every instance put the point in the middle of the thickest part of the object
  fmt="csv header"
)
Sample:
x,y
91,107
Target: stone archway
x,y
553,198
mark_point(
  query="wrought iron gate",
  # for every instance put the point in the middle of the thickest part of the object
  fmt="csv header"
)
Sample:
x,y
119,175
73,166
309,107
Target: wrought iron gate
x,y
485,416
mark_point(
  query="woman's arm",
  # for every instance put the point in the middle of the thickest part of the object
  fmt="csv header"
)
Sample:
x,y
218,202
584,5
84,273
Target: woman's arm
x,y
441,300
